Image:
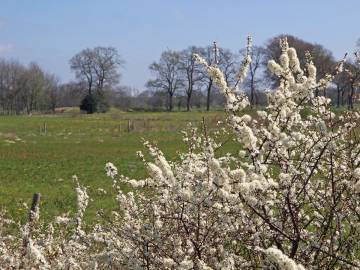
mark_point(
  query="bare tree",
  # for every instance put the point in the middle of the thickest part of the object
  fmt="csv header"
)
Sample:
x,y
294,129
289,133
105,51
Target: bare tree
x,y
208,53
52,91
11,82
70,94
257,56
228,62
98,67
106,64
342,84
21,88
352,72
191,71
168,75
82,64
33,87
24,89
225,60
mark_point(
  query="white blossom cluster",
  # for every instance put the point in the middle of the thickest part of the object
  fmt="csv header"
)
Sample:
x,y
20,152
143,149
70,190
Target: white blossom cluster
x,y
59,245
287,197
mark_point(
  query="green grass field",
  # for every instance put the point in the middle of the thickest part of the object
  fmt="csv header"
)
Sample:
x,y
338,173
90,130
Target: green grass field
x,y
32,160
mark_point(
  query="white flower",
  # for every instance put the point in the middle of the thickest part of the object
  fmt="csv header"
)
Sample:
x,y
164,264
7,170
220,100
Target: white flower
x,y
284,262
356,173
275,68
35,255
168,262
186,264
262,114
62,220
101,191
111,170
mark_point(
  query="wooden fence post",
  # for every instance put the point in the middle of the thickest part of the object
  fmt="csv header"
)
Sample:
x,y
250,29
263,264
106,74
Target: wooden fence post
x,y
34,207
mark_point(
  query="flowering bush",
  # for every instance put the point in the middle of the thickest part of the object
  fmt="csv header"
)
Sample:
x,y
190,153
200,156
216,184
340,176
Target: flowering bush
x,y
287,199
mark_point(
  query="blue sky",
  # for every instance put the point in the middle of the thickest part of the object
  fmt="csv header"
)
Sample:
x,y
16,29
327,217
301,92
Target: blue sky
x,y
50,32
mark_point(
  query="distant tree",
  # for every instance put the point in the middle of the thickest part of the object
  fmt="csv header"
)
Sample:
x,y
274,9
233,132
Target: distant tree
x,y
51,91
208,53
24,89
257,55
158,100
342,84
352,72
225,60
88,104
36,89
322,57
106,64
34,85
70,94
97,67
197,99
12,81
168,75
228,62
191,72
154,100
121,97
83,66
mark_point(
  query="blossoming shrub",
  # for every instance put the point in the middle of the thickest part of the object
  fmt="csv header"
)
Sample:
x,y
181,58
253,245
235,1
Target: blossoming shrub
x,y
288,198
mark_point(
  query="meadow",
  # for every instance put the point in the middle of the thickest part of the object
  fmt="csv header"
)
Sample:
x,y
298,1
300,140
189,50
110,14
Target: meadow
x,y
40,153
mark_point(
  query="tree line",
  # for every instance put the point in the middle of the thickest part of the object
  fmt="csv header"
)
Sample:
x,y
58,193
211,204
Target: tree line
x,y
24,89
176,73
178,82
